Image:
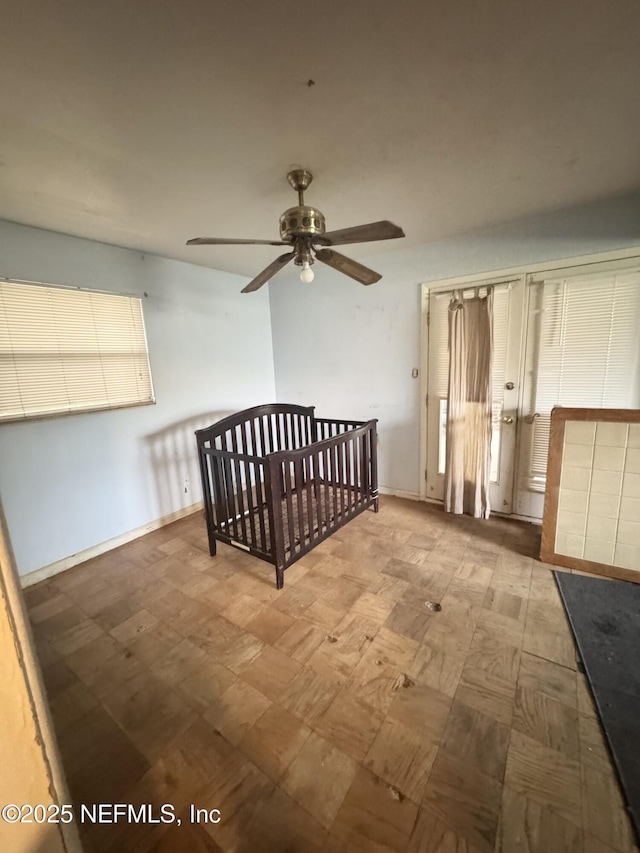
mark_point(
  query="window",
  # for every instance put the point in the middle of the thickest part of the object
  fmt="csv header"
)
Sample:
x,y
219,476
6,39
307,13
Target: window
x,y
64,350
585,333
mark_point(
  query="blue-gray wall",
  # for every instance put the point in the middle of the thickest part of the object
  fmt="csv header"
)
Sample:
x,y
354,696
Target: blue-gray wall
x,y
349,350
72,482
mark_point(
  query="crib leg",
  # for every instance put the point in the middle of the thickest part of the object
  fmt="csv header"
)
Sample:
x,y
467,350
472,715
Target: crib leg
x,y
212,546
279,577
376,506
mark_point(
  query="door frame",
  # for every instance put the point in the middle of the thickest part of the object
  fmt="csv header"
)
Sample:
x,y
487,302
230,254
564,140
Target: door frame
x,y
474,280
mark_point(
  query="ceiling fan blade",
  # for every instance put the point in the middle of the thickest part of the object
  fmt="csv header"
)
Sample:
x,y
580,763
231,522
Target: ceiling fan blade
x,y
348,266
383,230
224,241
267,273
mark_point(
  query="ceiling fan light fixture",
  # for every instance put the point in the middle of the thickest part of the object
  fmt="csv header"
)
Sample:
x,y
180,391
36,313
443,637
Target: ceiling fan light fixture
x,y
303,229
306,273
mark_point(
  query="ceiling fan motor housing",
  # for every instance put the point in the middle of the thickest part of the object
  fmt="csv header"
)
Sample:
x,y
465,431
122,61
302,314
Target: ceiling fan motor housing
x,y
301,221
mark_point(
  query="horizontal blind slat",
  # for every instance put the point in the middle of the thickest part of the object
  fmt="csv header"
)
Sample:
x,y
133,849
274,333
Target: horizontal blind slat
x,y
70,350
588,339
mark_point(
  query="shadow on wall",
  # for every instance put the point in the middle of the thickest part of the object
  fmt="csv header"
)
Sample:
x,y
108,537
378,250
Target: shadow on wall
x,y
173,460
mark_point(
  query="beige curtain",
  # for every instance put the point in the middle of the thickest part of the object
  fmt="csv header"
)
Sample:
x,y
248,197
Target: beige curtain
x,y
468,458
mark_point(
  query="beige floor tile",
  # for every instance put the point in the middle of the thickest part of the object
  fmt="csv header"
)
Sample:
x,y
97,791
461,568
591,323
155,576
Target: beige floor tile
x,y
239,707
402,757
205,685
545,776
309,695
318,778
269,624
279,823
531,828
546,720
434,668
350,723
432,835
271,672
421,708
603,813
466,799
242,610
477,738
552,679
301,640
371,817
274,740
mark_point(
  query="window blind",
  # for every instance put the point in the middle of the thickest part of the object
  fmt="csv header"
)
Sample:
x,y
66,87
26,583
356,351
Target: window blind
x,y
64,350
588,332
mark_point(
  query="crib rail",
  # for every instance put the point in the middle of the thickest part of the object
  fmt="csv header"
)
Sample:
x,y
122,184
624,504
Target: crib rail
x,y
317,489
235,499
261,430
330,427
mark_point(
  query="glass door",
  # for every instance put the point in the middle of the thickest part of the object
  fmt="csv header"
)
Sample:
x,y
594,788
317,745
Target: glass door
x,y
582,350
507,335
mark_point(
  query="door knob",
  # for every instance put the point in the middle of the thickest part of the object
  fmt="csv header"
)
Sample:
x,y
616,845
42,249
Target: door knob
x,y
507,420
509,386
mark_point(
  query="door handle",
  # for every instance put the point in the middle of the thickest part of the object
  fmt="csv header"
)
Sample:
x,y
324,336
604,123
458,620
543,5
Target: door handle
x,y
507,420
531,418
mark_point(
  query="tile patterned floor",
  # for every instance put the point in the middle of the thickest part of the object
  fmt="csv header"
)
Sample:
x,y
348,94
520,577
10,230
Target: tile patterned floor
x,y
177,678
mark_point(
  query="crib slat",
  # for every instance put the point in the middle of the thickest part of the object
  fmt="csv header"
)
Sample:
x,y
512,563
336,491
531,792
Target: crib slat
x,y
296,434
335,481
271,446
273,488
289,431
340,448
365,454
311,514
289,503
359,495
217,499
298,480
231,493
251,513
252,450
349,455
374,461
228,496
240,472
325,486
260,502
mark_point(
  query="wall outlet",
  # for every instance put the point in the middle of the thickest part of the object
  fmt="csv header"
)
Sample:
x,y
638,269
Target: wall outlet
x,y
186,485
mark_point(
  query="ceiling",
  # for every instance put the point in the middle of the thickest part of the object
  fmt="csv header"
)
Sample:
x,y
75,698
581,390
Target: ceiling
x,y
146,122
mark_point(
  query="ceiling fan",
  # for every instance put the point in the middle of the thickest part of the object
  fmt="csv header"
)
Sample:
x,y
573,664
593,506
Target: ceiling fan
x,y
303,228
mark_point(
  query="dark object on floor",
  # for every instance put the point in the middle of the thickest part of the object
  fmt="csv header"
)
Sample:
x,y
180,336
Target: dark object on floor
x,y
276,480
605,618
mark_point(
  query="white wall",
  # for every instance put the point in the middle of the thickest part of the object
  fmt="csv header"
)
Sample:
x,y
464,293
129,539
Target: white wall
x,y
72,482
349,350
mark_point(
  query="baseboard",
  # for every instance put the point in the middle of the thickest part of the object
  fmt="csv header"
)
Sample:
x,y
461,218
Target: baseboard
x,y
399,493
96,550
414,497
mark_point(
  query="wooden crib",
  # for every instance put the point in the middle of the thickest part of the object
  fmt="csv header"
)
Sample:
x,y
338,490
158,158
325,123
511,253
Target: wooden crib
x,y
277,481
